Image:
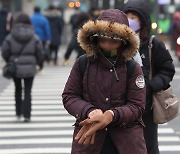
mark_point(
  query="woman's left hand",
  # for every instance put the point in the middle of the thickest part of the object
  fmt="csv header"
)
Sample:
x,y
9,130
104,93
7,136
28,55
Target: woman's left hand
x,y
91,125
80,137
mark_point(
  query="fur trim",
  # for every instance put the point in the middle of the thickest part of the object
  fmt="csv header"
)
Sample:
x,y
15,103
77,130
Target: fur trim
x,y
52,13
109,29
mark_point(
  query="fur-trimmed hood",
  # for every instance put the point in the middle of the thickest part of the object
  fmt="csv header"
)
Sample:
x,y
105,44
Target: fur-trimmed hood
x,y
110,29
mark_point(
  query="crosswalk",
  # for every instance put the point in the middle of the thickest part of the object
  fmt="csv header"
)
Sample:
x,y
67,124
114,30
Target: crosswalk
x,y
50,129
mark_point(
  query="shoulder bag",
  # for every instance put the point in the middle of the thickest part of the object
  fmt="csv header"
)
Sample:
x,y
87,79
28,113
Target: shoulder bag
x,y
9,70
165,104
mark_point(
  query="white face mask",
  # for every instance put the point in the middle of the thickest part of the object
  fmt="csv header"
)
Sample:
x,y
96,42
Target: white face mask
x,y
134,25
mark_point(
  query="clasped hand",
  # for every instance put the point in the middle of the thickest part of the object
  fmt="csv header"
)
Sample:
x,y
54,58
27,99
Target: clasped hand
x,y
96,120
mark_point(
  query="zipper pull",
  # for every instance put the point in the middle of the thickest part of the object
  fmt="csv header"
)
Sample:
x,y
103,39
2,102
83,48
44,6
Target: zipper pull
x,y
117,78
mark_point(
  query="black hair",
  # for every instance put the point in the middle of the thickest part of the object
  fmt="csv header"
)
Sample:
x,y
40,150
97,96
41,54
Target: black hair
x,y
82,18
37,9
23,19
51,7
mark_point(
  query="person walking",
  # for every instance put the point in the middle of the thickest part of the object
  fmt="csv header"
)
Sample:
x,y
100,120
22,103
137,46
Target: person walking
x,y
56,22
42,29
23,42
106,100
73,19
6,23
73,44
162,66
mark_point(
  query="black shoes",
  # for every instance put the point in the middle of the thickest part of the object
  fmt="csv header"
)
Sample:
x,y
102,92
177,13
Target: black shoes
x,y
27,120
19,119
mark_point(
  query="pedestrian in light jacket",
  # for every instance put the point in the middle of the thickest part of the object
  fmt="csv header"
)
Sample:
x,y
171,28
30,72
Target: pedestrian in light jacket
x,y
106,103
22,39
162,66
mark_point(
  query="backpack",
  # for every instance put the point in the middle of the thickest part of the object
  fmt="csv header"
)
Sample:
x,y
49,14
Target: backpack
x,y
83,64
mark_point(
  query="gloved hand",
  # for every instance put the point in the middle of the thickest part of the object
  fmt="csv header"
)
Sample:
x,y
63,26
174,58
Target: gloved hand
x,y
91,125
80,137
95,113
84,129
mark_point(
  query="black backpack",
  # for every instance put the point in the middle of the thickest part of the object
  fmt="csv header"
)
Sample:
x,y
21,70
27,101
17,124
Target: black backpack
x,y
83,64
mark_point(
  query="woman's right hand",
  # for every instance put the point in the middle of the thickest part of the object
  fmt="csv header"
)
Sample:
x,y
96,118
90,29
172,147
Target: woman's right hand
x,y
80,137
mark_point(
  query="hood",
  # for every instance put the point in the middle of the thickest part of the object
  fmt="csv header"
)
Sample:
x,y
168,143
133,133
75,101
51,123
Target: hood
x,y
52,13
22,32
108,27
140,7
3,11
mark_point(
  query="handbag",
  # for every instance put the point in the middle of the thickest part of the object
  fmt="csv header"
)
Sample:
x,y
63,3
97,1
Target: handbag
x,y
165,104
9,70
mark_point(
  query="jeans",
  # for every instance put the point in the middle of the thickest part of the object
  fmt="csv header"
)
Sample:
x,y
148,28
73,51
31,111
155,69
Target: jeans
x,y
23,106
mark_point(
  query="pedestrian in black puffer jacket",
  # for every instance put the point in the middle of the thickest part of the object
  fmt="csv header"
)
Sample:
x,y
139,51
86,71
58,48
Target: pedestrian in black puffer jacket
x,y
56,22
162,65
23,40
73,44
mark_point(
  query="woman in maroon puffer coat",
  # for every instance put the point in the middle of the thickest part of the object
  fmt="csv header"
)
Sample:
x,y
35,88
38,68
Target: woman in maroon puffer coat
x,y
107,104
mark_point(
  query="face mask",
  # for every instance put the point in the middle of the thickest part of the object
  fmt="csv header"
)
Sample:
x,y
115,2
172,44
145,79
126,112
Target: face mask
x,y
134,25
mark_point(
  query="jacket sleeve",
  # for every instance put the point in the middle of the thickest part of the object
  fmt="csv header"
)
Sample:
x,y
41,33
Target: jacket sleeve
x,y
135,100
162,65
72,95
6,53
39,53
47,30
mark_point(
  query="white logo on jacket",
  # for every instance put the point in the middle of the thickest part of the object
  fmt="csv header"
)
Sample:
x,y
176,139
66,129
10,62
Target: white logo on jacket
x,y
143,56
140,81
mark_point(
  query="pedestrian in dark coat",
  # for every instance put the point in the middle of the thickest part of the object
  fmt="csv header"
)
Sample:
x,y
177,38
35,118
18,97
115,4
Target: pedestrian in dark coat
x,y
56,22
162,66
22,39
6,23
106,103
73,44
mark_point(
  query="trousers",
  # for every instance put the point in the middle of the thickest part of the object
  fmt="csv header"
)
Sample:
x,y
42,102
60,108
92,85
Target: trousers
x,y
23,106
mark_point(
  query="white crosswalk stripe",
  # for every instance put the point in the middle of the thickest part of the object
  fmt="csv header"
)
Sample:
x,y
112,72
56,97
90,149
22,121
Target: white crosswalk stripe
x,y
50,130
169,141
